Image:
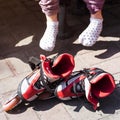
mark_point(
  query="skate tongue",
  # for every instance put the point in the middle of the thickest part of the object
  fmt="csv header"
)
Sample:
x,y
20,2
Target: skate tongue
x,y
78,88
59,67
47,71
89,95
103,85
54,70
63,65
100,86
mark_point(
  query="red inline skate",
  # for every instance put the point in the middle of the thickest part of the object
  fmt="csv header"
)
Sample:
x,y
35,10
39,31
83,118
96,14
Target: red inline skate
x,y
94,83
47,74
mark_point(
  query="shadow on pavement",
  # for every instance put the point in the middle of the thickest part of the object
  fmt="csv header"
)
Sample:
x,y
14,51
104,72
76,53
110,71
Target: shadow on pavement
x,y
29,25
108,105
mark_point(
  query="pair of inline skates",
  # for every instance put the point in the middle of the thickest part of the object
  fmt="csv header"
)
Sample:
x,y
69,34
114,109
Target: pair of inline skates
x,y
54,77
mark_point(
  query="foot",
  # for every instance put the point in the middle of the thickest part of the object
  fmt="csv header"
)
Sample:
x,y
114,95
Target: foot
x,y
48,40
90,35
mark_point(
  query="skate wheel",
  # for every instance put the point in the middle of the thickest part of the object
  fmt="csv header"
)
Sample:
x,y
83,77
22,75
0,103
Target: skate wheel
x,y
11,104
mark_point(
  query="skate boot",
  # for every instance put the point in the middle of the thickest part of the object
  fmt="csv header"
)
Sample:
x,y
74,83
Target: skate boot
x,y
51,72
93,83
46,75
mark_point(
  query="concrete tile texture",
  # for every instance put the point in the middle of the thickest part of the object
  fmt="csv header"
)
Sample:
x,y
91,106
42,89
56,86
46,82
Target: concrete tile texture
x,y
22,24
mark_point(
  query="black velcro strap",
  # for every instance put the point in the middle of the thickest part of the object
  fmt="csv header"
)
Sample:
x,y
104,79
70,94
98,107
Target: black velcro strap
x,y
34,62
45,81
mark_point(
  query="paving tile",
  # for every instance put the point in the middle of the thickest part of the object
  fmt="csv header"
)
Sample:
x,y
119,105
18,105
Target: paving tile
x,y
22,22
111,117
18,66
4,70
78,110
11,83
28,115
111,66
56,112
2,116
98,58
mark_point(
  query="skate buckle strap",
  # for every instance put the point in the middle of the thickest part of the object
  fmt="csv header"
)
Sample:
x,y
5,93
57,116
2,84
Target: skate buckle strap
x,y
50,87
79,87
52,59
44,80
92,73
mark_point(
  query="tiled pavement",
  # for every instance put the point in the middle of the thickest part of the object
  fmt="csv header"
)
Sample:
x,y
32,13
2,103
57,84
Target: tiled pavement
x,y
21,26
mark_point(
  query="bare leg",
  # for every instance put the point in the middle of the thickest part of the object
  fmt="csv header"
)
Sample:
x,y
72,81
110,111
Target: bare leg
x,y
52,18
97,15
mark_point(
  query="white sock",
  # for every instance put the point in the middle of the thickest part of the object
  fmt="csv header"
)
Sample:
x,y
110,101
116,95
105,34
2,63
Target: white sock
x,y
48,40
90,35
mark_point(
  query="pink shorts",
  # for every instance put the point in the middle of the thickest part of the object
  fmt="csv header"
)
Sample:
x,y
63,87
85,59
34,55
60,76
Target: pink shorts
x,y
51,7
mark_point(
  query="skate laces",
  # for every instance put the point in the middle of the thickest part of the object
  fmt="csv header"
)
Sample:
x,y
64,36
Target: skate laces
x,y
78,87
89,73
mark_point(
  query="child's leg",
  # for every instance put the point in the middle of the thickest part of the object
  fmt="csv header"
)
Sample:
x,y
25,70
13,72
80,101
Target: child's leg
x,y
89,36
50,8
